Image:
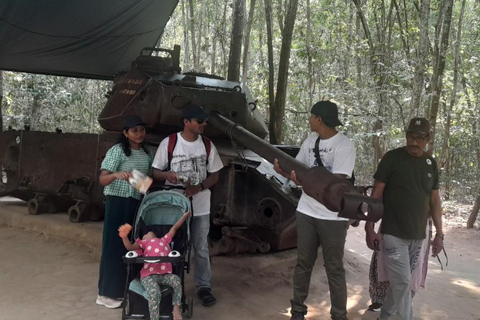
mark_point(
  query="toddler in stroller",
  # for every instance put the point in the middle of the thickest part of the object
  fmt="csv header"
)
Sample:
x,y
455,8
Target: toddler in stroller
x,y
157,272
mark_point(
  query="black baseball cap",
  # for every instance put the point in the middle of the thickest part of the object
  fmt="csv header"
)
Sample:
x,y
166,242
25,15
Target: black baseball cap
x,y
328,111
419,126
194,111
132,120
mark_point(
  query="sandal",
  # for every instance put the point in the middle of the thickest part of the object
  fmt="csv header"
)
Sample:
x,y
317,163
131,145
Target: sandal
x,y
206,297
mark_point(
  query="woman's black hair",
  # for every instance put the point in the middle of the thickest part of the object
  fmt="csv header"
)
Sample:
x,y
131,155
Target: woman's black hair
x,y
126,145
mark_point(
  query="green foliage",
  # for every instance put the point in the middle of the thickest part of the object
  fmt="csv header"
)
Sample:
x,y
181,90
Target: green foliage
x,y
45,103
342,69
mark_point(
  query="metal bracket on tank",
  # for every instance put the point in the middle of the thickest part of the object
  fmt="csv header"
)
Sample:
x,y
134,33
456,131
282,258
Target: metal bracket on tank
x,y
240,240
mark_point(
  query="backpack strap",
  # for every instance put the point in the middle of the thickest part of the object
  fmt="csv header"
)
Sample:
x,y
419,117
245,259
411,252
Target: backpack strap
x,y
208,146
317,153
172,142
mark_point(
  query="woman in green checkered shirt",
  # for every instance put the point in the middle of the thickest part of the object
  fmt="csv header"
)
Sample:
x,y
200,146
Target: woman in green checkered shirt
x,y
121,204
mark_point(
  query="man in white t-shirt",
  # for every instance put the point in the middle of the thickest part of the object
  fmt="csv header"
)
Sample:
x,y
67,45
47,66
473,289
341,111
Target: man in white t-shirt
x,y
191,166
316,225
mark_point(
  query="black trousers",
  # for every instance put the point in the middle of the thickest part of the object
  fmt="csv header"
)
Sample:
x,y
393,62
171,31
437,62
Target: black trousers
x,y
113,272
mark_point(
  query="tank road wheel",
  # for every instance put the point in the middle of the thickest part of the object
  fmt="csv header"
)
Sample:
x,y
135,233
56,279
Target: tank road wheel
x,y
37,205
77,213
42,204
263,247
3,179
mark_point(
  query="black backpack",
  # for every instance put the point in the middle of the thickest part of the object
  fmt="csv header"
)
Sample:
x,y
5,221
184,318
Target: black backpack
x,y
320,163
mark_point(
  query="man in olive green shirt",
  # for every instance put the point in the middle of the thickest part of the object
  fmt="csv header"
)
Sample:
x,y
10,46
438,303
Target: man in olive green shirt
x,y
407,182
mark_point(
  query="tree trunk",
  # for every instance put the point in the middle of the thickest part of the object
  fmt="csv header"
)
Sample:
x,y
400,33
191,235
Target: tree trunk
x,y
445,153
35,113
437,81
309,56
199,38
1,100
192,35
271,67
378,60
474,213
403,29
236,41
186,50
222,41
214,40
246,43
276,118
420,59
476,134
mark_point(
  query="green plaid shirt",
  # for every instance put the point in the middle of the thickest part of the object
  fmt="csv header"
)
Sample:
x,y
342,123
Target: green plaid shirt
x,y
116,160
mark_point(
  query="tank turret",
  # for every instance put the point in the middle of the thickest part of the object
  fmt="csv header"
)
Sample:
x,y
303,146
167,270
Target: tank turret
x,y
155,89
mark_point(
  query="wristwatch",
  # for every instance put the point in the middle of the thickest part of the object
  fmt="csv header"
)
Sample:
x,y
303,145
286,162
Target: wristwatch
x,y
440,235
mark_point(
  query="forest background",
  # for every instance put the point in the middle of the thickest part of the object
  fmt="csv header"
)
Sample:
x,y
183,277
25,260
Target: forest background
x,y
382,61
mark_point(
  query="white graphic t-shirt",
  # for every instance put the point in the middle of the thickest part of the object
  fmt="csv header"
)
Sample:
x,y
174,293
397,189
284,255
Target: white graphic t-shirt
x,y
338,157
189,162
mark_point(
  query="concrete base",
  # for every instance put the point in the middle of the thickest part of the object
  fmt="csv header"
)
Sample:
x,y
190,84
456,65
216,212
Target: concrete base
x,y
14,213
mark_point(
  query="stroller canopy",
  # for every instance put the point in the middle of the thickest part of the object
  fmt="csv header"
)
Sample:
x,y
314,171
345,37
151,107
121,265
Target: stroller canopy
x,y
161,208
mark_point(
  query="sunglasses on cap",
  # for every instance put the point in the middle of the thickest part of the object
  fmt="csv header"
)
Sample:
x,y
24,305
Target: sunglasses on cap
x,y
200,121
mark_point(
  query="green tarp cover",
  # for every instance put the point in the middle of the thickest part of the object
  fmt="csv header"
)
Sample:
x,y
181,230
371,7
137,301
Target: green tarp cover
x,y
79,38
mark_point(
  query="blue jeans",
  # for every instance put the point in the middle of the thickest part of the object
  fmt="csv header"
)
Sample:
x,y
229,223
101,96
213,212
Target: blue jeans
x,y
199,232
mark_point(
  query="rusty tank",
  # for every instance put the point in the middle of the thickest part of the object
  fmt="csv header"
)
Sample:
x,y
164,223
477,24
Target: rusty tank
x,y
253,208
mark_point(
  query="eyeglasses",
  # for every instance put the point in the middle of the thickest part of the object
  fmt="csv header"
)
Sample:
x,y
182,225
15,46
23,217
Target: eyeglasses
x,y
199,121
417,139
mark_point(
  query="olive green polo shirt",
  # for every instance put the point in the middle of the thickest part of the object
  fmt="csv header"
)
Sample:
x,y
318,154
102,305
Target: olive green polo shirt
x,y
409,182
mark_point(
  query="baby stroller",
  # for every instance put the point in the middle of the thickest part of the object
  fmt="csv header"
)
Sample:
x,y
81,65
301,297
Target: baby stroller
x,y
158,211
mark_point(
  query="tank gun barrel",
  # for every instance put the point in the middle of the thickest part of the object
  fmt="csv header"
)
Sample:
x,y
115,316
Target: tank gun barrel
x,y
335,193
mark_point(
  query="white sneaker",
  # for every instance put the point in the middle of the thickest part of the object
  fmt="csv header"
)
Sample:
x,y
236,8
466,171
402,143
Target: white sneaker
x,y
108,302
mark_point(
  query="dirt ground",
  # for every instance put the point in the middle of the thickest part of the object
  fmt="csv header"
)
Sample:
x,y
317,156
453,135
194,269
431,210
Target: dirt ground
x,y
49,270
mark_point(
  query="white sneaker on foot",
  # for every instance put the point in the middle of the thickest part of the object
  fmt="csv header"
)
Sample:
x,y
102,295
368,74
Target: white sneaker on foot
x,y
108,302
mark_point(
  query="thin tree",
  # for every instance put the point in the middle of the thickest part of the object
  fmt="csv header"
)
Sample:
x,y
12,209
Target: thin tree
x,y
445,155
214,40
186,50
192,35
476,207
1,100
236,41
379,58
439,67
246,43
271,67
277,110
309,55
421,55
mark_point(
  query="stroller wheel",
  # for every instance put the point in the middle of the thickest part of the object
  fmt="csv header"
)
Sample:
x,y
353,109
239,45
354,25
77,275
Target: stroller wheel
x,y
126,306
189,312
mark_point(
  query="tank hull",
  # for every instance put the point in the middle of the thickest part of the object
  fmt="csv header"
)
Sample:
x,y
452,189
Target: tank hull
x,y
250,210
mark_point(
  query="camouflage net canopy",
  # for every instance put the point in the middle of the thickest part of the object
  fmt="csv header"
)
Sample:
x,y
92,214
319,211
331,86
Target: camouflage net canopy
x,y
89,39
